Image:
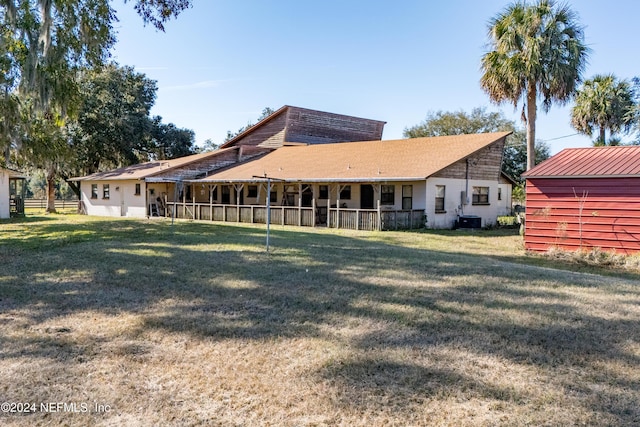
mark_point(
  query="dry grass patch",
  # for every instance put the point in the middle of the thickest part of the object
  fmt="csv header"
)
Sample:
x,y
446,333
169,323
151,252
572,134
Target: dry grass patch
x,y
194,324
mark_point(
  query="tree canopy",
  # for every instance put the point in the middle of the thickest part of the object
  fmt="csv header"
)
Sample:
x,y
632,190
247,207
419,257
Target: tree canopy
x,y
536,51
603,103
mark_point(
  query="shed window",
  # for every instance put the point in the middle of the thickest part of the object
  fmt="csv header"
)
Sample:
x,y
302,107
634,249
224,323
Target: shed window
x,y
440,193
137,193
480,196
345,193
94,191
105,191
252,191
387,194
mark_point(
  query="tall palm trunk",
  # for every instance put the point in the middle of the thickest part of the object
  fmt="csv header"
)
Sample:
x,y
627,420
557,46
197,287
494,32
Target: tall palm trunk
x,y
531,124
51,189
602,136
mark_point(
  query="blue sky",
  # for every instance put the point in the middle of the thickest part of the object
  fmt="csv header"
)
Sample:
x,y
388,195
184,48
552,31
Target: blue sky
x,y
222,61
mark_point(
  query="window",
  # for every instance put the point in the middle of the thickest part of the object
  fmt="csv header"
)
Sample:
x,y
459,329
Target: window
x,y
137,190
214,194
324,192
499,193
407,197
94,191
226,194
345,193
440,192
387,194
252,191
480,196
273,197
105,191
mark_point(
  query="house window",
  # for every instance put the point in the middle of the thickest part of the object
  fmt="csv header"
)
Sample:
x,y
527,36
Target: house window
x,y
480,196
214,194
137,190
387,194
226,194
94,191
105,191
345,193
407,197
252,191
499,193
273,196
324,192
440,192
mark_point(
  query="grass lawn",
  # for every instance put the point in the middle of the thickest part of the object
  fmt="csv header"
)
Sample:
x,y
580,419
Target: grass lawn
x,y
194,324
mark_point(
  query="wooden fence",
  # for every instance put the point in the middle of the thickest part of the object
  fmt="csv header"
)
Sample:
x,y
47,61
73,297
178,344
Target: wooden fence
x,y
42,204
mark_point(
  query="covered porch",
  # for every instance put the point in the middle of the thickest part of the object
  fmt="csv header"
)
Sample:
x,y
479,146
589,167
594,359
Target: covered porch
x,y
351,205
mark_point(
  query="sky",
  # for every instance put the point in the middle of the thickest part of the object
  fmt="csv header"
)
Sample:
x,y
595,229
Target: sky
x,y
221,62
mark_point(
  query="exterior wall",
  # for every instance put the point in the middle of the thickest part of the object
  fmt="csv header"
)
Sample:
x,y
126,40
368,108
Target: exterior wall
x,y
271,134
583,213
454,207
318,127
4,193
122,200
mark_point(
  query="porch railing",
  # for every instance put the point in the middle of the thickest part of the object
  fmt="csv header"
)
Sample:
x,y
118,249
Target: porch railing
x,y
352,219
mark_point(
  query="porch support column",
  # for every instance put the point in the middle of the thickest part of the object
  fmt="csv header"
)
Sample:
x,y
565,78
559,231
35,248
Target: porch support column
x,y
193,202
379,211
299,204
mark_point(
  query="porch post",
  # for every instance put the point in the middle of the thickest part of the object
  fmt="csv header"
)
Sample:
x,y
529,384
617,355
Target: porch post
x,y
193,202
211,202
379,211
313,211
299,204
338,208
329,207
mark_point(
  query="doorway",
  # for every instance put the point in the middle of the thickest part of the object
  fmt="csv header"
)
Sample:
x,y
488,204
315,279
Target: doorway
x,y
366,196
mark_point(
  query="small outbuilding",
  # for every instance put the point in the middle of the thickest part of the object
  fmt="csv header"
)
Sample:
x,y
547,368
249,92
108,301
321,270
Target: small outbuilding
x,y
12,191
585,198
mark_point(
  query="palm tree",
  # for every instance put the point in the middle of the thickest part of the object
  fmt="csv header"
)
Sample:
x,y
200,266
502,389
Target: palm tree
x,y
603,103
535,50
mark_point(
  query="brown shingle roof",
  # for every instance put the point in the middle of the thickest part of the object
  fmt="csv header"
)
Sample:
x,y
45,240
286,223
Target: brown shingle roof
x,y
148,169
619,161
402,159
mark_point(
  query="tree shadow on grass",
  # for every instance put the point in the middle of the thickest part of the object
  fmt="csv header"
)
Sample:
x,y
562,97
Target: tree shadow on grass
x,y
217,283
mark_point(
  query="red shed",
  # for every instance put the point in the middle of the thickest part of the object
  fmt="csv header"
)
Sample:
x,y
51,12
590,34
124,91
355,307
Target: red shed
x,y
585,198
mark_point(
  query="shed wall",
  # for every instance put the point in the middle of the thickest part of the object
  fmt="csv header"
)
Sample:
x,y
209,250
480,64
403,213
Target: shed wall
x,y
575,213
4,193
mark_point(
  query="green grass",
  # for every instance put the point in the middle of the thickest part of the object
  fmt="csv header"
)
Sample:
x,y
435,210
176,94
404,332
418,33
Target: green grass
x,y
195,324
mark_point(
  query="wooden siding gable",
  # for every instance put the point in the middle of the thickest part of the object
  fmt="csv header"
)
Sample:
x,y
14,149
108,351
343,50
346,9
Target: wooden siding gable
x,y
485,164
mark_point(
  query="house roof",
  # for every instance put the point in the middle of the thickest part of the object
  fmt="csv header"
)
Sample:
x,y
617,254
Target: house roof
x,y
399,160
620,161
149,169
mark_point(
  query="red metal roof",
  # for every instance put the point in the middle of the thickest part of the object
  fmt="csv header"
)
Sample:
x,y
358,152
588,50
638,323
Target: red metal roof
x,y
621,161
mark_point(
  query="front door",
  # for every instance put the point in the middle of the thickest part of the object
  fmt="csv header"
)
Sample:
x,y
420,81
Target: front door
x,y
366,196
